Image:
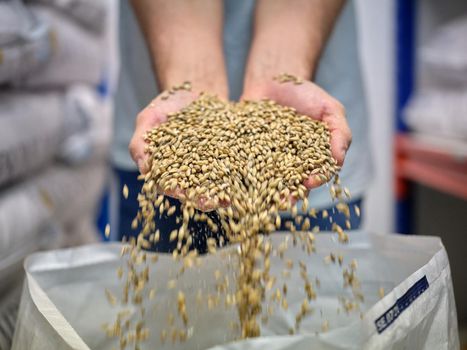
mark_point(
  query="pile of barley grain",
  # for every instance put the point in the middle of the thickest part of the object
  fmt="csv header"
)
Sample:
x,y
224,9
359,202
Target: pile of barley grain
x,y
247,159
252,156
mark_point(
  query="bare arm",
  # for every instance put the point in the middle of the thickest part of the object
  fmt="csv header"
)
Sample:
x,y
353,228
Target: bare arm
x,y
185,42
289,36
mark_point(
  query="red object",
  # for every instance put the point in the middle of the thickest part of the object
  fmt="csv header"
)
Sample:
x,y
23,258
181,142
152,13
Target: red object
x,y
431,165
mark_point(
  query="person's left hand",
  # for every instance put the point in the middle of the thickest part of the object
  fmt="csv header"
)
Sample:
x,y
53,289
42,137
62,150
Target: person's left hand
x,y
308,99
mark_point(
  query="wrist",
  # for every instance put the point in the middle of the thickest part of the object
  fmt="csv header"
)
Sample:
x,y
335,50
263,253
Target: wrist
x,y
202,66
261,72
213,82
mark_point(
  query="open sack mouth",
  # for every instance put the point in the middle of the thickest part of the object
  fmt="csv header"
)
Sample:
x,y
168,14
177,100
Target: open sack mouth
x,y
65,301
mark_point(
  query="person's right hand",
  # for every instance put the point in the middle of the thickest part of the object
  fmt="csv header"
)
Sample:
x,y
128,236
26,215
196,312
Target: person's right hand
x,y
152,116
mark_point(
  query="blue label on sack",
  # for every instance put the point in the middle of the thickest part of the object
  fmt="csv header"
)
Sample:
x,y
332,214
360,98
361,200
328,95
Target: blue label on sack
x,y
385,320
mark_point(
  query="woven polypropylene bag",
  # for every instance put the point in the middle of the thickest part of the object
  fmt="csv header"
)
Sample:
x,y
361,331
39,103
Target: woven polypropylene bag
x,y
74,125
90,14
444,56
31,130
57,195
77,55
9,305
25,44
63,304
438,112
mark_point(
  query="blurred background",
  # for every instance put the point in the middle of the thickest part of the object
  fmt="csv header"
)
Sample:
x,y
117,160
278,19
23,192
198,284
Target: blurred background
x,y
59,63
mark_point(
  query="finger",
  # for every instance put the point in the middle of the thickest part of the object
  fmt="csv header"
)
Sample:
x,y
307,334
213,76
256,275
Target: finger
x,y
333,114
206,204
340,143
224,203
152,116
146,120
341,136
313,182
176,193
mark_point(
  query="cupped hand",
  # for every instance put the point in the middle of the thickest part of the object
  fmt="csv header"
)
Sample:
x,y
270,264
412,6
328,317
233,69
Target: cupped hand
x,y
308,99
152,116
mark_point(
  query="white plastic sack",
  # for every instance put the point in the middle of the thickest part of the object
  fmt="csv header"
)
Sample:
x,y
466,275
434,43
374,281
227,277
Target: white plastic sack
x,y
438,112
63,304
25,43
12,276
439,106
57,195
445,54
35,127
90,14
88,125
11,262
9,305
31,129
77,55
15,21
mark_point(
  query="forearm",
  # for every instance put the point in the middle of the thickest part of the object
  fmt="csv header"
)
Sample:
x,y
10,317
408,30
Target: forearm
x,y
185,42
289,36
